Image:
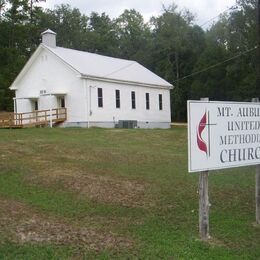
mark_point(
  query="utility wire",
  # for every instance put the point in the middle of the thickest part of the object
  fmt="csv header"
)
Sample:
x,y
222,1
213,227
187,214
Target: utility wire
x,y
213,18
122,68
217,64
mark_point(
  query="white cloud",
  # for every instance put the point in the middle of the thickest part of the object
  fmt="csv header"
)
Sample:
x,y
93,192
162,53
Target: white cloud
x,y
204,9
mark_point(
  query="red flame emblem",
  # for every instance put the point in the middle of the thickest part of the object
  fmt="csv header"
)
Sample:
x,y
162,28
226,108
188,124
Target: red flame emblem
x,y
201,143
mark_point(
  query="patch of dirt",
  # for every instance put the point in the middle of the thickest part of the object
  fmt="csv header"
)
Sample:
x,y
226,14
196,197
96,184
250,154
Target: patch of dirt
x,y
255,225
216,242
129,193
107,189
22,224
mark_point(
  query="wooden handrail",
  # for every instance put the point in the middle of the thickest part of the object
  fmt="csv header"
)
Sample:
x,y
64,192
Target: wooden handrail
x,y
33,118
24,113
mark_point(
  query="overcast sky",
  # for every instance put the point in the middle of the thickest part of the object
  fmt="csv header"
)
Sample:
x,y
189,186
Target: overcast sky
x,y
204,9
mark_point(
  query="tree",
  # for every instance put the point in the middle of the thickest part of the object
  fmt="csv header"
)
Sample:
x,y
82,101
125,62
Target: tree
x,y
101,37
134,35
68,23
177,44
2,6
230,43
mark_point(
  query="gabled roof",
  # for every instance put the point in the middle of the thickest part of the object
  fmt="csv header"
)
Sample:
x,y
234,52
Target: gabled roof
x,y
99,67
103,67
48,31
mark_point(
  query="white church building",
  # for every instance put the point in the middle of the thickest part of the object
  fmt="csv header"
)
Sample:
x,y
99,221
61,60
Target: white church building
x,y
96,90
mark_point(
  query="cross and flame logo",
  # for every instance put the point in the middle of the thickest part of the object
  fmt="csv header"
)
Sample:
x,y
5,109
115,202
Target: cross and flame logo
x,y
202,145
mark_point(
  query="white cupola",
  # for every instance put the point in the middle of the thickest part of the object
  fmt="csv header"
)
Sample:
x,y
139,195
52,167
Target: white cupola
x,y
49,38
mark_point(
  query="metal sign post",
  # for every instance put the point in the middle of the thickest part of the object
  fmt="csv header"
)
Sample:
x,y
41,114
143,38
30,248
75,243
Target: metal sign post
x,y
257,194
204,201
204,206
257,185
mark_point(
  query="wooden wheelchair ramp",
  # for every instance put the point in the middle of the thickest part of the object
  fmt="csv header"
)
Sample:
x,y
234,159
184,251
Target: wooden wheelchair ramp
x,y
33,119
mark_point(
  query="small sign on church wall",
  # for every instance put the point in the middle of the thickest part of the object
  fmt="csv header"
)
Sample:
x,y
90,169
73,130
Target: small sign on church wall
x,y
223,135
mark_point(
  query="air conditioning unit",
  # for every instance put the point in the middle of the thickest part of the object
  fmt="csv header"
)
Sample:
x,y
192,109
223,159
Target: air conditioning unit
x,y
127,124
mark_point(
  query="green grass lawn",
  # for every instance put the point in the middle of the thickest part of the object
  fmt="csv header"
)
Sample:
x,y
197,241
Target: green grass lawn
x,y
112,193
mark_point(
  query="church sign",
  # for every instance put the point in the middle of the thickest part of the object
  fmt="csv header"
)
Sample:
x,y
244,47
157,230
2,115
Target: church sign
x,y
223,135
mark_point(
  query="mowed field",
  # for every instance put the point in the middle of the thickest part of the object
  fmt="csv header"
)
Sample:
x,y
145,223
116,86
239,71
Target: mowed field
x,y
112,193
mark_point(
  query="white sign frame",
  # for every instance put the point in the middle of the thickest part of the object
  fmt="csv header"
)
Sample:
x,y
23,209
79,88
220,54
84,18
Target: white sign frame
x,y
224,114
